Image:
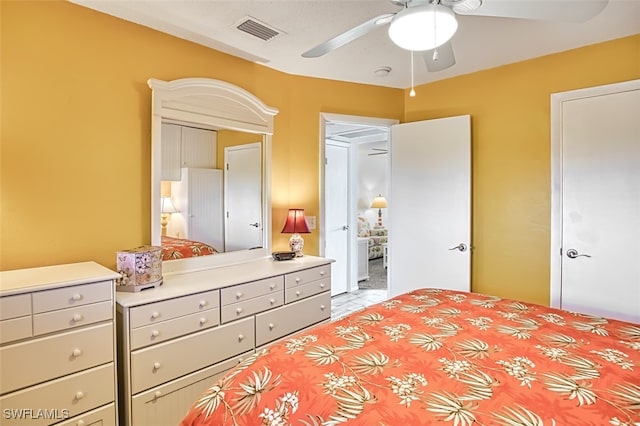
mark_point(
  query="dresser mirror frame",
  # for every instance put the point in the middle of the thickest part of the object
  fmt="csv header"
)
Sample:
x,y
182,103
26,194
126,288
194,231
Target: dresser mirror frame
x,y
213,104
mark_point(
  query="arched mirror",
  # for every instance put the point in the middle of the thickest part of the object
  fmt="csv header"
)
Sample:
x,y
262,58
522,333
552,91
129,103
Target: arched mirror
x,y
210,173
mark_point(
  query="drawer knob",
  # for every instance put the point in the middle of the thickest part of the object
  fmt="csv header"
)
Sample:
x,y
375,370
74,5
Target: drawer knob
x,y
155,315
298,293
157,394
272,286
271,326
322,273
298,280
238,295
240,337
79,395
76,297
76,353
322,285
80,423
272,301
77,317
156,366
203,303
239,310
203,321
155,333
322,307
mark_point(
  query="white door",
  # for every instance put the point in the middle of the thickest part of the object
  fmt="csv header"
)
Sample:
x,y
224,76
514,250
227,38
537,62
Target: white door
x,y
337,233
205,205
430,205
243,196
600,178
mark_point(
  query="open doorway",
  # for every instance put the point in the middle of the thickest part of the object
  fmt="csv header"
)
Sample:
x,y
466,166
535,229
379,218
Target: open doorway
x,y
353,173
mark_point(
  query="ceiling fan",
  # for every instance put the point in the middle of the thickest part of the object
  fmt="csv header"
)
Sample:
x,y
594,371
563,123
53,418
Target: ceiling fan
x,y
379,151
427,26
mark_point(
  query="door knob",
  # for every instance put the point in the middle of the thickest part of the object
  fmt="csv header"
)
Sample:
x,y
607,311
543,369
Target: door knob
x,y
254,224
573,253
460,247
345,227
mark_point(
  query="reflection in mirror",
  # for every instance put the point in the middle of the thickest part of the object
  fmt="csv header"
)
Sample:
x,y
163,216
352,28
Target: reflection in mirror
x,y
211,191
199,126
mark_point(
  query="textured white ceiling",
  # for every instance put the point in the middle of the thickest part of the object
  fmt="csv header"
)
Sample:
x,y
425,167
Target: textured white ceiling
x,y
480,42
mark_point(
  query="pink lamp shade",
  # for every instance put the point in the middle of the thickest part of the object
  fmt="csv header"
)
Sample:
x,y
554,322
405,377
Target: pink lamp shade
x,y
296,224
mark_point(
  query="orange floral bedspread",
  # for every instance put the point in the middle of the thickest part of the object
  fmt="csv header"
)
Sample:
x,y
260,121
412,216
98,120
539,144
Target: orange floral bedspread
x,y
179,248
435,357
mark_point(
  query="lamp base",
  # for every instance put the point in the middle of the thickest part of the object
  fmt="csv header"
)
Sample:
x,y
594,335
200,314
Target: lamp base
x,y
296,242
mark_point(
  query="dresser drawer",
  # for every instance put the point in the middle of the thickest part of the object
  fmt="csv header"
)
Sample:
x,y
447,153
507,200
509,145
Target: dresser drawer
x,y
66,297
15,329
239,293
168,403
277,323
103,416
307,275
166,361
251,306
305,290
15,306
76,394
72,317
165,330
54,356
174,308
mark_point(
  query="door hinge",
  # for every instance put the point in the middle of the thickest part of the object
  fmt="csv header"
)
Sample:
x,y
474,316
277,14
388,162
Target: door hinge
x,y
227,166
326,161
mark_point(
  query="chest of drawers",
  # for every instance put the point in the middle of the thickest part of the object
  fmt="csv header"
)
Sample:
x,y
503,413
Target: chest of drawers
x,y
57,345
175,340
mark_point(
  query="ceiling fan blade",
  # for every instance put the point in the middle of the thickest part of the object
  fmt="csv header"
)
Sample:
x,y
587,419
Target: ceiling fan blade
x,y
348,36
444,57
557,10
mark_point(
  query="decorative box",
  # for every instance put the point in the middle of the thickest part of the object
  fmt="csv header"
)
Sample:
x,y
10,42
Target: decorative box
x,y
140,268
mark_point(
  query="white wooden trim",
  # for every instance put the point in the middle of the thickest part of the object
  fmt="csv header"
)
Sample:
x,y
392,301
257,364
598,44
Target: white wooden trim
x,y
557,99
350,119
217,105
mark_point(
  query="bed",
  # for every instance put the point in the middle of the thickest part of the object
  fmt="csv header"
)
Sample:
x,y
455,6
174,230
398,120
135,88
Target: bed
x,y
180,248
438,357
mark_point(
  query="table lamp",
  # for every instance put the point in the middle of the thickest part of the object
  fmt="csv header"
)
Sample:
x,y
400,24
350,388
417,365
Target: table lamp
x,y
295,225
379,203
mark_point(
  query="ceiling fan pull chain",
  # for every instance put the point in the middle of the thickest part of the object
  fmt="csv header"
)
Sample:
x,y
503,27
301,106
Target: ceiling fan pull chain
x,y
412,93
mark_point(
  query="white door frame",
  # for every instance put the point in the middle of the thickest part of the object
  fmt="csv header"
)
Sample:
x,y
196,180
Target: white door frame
x,y
556,174
353,248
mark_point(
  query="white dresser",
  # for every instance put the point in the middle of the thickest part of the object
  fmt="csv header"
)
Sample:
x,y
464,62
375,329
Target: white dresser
x,y
57,346
175,340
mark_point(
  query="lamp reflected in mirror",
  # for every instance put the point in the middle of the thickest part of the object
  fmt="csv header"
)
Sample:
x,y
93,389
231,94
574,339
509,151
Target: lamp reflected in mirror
x,y
295,225
167,208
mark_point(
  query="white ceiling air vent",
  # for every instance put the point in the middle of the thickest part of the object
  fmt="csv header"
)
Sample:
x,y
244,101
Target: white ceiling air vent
x,y
258,29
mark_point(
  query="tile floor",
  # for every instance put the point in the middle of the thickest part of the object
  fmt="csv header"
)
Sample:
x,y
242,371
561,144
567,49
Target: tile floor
x,y
344,304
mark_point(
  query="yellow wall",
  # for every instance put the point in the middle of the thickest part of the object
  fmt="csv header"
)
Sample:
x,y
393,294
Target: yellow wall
x,y
510,116
76,113
75,134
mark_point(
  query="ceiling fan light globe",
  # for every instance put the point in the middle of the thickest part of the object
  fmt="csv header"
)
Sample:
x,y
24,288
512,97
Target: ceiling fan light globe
x,y
414,28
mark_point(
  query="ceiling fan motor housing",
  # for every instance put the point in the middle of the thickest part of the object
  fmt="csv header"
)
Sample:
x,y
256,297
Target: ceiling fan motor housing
x,y
421,28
